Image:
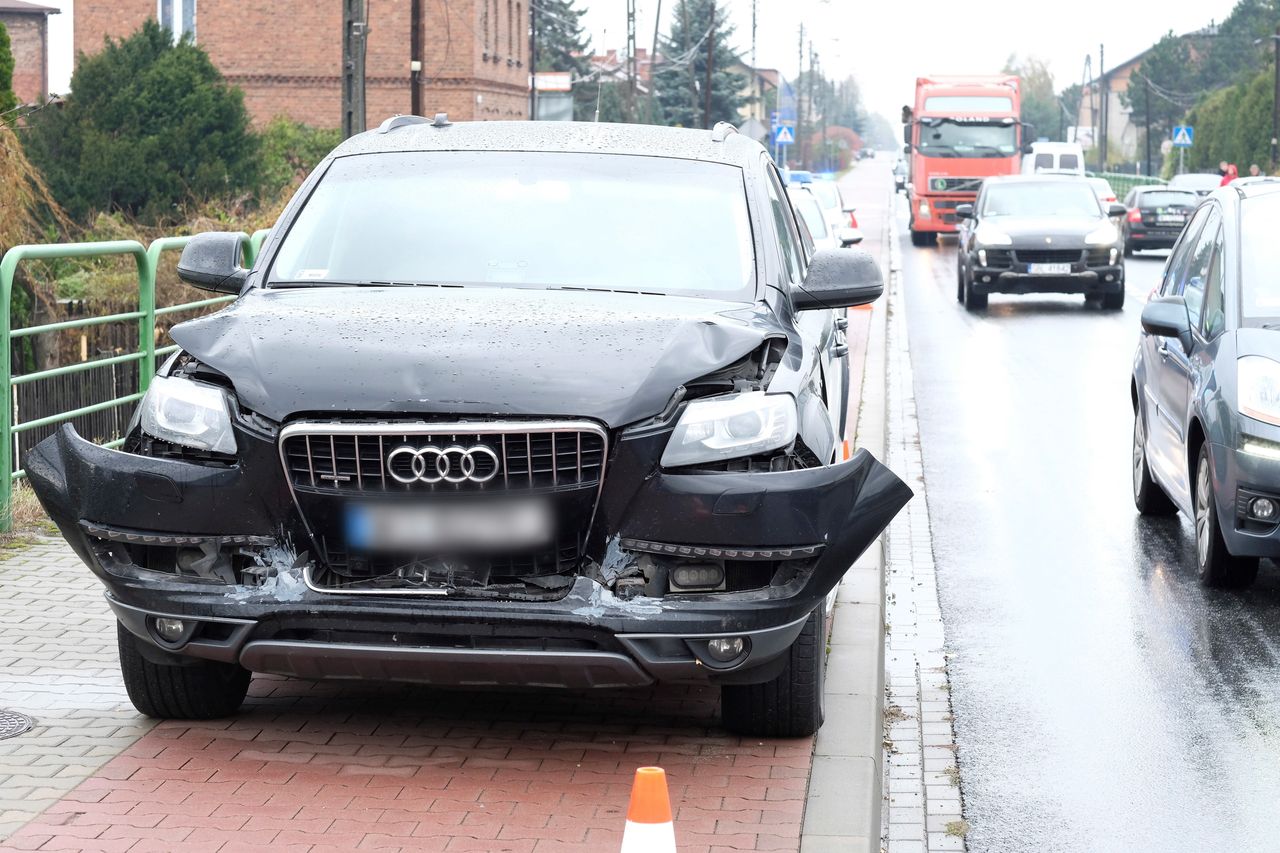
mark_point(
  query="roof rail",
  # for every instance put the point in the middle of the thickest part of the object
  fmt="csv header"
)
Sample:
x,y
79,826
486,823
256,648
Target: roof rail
x,y
721,131
400,121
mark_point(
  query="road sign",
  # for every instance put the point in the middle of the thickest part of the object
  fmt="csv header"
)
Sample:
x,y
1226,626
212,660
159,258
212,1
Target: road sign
x,y
773,120
783,135
1184,136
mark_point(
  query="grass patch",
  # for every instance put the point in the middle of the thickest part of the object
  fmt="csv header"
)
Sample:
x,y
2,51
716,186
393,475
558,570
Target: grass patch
x,y
28,521
958,828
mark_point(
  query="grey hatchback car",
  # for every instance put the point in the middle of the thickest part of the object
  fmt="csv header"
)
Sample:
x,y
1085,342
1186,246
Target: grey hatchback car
x,y
1206,385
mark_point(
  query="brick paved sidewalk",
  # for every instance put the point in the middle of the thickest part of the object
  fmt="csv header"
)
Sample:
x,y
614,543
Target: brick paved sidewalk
x,y
332,766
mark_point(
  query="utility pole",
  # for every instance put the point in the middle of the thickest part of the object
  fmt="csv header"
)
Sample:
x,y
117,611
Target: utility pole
x,y
1148,133
354,31
631,59
711,63
415,57
1275,108
653,65
755,74
822,150
533,62
799,106
808,108
693,80
1105,90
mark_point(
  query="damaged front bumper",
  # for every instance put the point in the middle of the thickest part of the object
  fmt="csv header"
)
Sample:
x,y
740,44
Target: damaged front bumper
x,y
247,595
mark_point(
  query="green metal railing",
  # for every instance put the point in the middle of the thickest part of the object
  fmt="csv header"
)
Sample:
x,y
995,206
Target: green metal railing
x,y
147,261
1122,182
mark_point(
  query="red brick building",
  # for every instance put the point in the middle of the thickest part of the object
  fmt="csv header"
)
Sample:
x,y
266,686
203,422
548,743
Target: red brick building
x,y
287,54
28,26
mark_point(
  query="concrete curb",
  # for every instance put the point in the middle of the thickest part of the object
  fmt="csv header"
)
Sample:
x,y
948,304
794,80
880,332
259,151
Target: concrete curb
x,y
844,802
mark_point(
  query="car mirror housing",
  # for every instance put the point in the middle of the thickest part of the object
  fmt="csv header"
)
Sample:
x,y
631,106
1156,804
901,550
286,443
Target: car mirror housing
x,y
211,261
839,279
1117,209
850,236
964,211
1167,317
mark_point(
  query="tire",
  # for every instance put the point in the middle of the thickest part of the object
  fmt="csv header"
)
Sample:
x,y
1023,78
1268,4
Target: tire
x,y
1148,495
960,284
1113,301
791,704
1216,565
920,239
1128,250
973,300
191,690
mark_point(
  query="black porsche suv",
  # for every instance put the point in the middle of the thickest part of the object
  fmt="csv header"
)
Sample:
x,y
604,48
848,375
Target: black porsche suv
x,y
498,404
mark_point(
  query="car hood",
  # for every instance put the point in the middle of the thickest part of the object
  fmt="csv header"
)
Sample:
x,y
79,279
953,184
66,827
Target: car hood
x,y
1047,232
1253,340
474,351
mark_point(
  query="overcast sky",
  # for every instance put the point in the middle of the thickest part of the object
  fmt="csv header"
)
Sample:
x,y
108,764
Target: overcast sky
x,y
887,45
885,50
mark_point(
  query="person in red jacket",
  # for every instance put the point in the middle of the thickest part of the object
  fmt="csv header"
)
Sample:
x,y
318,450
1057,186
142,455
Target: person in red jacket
x,y
1231,175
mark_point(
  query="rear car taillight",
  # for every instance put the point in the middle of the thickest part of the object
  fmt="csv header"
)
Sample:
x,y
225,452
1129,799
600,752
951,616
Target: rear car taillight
x,y
853,219
1135,215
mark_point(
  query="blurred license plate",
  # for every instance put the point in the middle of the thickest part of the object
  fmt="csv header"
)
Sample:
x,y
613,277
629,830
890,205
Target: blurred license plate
x,y
500,525
1049,269
1170,219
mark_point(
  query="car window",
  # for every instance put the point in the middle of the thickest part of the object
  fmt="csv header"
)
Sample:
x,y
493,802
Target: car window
x,y
1044,161
827,192
1069,161
1199,264
1215,318
1175,270
1060,198
525,219
787,236
810,211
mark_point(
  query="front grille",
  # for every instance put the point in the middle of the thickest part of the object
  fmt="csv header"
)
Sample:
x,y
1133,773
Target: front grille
x,y
961,185
372,459
1048,256
999,258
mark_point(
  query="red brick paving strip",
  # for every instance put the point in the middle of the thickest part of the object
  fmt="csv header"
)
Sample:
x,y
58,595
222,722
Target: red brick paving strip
x,y
326,767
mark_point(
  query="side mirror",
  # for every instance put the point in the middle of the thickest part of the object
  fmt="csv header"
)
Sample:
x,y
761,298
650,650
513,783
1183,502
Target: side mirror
x,y
211,261
850,236
1166,317
964,211
1114,209
839,279
1028,137
906,149
906,132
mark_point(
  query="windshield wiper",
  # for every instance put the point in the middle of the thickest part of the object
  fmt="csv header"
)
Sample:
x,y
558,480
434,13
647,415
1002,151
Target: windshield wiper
x,y
995,152
285,285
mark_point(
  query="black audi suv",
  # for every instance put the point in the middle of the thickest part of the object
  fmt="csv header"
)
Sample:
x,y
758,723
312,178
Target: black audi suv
x,y
1039,234
468,424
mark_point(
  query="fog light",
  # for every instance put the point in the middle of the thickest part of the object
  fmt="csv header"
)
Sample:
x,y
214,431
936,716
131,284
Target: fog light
x,y
1262,508
725,649
1109,277
697,576
986,279
171,629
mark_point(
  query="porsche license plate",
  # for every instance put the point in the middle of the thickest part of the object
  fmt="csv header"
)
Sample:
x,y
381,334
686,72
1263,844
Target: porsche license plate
x,y
1049,269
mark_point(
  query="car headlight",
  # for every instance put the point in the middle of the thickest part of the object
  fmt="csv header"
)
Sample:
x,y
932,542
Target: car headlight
x,y
731,427
1258,387
1104,235
988,236
188,413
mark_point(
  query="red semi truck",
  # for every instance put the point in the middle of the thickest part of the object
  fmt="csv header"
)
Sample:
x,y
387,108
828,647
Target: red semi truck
x,y
961,131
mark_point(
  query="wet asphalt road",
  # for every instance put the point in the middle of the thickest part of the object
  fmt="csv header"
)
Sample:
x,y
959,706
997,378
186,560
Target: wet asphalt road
x,y
1104,700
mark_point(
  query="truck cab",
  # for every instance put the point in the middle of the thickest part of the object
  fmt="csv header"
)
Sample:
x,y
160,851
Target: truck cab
x,y
961,131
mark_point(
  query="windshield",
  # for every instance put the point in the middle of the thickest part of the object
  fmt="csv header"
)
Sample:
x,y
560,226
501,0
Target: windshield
x,y
1067,199
518,219
1166,198
811,213
1260,256
1197,181
827,193
949,138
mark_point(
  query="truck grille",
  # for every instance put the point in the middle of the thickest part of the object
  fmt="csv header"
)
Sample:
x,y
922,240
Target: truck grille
x,y
442,458
953,185
1048,256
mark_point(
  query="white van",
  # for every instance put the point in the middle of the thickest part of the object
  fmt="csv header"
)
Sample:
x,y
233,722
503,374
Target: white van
x,y
1054,158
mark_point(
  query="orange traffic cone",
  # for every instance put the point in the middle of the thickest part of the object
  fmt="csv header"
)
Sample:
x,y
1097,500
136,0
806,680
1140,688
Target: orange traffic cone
x,y
649,827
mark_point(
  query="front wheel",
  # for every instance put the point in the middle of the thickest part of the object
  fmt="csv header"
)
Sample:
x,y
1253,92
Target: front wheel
x,y
1217,566
973,300
1113,301
188,689
791,704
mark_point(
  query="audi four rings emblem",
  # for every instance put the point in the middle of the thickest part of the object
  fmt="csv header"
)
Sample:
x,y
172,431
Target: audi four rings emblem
x,y
452,464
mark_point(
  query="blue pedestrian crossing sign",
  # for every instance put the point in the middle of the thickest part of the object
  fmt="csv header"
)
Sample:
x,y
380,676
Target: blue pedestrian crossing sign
x,y
783,135
1184,136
